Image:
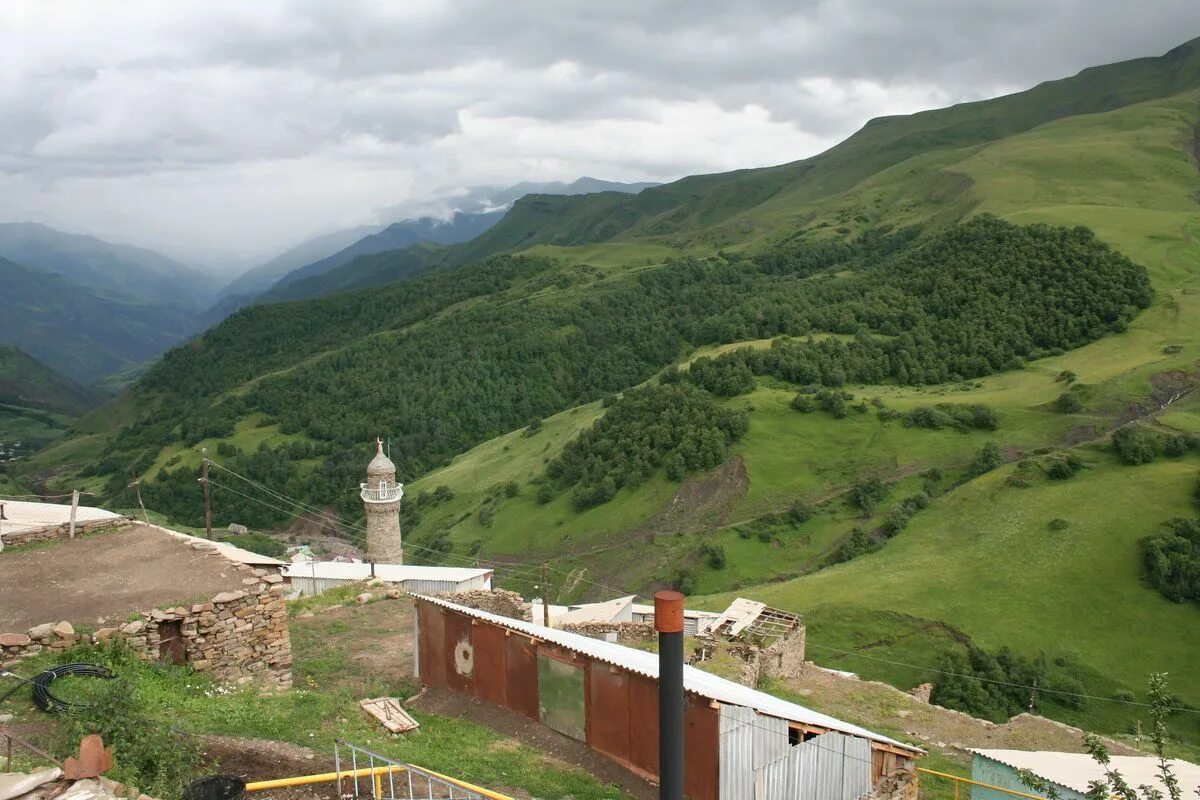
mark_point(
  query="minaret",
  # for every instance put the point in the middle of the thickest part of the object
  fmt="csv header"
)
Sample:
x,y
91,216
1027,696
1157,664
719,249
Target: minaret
x,y
381,498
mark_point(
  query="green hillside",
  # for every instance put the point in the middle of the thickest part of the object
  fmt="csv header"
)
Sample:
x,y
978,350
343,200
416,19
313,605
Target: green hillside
x,y
879,390
36,403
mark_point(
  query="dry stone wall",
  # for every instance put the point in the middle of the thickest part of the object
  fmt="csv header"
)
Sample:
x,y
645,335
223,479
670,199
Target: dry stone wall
x,y
63,531
239,636
625,631
496,601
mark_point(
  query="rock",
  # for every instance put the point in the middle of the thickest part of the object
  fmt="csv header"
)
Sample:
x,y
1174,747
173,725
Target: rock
x,y
104,634
14,639
922,693
904,713
394,594
305,615
273,578
229,597
134,628
363,598
5,718
249,581
64,629
44,631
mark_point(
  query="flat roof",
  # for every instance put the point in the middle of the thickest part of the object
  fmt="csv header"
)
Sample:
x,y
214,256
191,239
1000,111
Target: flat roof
x,y
23,515
392,573
100,578
695,680
1076,771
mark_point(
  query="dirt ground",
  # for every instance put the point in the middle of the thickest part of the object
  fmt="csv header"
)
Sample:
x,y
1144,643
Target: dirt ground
x,y
101,578
551,743
937,729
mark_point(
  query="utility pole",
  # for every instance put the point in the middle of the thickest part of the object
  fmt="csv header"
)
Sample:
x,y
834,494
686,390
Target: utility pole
x,y
207,495
668,621
74,509
1033,695
137,488
546,594
1137,735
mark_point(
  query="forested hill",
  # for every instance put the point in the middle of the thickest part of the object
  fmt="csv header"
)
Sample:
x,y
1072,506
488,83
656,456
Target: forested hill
x,y
738,208
27,383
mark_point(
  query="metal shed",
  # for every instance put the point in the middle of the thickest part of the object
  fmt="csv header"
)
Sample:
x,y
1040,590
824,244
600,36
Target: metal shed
x,y
737,740
314,577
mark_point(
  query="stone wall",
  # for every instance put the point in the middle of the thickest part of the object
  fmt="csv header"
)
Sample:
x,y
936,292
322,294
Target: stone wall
x,y
784,657
625,631
901,784
239,637
497,601
53,532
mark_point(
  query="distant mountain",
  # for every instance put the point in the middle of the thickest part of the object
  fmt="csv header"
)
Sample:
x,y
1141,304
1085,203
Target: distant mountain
x,y
459,228
119,271
26,382
81,332
262,277
487,207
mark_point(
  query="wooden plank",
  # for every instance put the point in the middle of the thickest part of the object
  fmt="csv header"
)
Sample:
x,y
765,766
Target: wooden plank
x,y
389,713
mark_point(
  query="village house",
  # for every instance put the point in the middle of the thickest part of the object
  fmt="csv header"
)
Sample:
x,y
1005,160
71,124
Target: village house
x,y
164,594
606,695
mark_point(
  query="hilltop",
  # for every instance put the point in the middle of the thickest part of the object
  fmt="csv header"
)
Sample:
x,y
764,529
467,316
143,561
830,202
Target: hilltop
x,y
996,286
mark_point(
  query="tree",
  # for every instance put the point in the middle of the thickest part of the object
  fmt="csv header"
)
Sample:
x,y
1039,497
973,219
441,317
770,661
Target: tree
x,y
987,459
1135,444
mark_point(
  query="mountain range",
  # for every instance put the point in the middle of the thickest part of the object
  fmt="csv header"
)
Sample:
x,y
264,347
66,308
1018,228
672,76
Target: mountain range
x,y
932,388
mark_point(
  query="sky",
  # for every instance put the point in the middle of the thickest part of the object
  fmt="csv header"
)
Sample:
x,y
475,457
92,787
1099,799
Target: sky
x,y
222,131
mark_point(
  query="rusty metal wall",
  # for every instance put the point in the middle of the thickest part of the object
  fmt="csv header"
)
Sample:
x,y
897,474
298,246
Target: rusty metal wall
x,y
608,689
831,766
748,740
643,723
431,649
522,674
459,653
491,670
701,749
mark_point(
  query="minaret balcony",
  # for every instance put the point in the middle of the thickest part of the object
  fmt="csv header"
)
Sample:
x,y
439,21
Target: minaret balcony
x,y
384,494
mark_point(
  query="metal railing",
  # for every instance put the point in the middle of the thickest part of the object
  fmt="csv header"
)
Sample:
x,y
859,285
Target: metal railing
x,y
381,495
10,738
962,786
361,773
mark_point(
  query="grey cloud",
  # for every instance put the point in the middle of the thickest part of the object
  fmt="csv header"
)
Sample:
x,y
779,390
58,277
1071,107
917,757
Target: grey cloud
x,y
447,94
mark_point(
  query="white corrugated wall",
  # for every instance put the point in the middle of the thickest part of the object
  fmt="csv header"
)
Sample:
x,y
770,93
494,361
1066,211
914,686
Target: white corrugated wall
x,y
748,740
307,586
831,766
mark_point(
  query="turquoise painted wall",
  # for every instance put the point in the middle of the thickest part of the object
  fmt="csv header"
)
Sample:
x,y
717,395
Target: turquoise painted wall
x,y
985,770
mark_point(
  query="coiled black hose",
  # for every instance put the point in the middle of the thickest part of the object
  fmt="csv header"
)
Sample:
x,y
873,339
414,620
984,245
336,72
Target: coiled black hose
x,y
46,701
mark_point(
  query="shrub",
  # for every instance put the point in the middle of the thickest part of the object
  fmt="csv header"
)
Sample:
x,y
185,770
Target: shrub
x,y
799,512
1066,376
511,488
1069,403
1060,469
545,494
804,404
714,556
858,543
866,494
987,459
1135,444
1172,560
1058,524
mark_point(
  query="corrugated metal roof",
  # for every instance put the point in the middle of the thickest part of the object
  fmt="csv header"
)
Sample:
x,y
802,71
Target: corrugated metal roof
x,y
392,573
23,515
696,681
1076,771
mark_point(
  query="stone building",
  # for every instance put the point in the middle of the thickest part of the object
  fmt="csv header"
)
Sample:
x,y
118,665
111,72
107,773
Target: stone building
x,y
381,498
165,595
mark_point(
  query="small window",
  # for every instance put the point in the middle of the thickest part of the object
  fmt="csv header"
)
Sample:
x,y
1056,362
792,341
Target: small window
x,y
560,696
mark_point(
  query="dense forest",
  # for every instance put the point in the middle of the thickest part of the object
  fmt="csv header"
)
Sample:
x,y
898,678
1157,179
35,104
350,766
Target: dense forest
x,y
449,359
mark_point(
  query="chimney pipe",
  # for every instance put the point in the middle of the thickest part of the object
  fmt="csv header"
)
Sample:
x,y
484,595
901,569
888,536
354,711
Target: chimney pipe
x,y
668,621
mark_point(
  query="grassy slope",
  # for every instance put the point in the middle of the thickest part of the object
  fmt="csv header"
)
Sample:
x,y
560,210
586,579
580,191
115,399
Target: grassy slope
x,y
1123,173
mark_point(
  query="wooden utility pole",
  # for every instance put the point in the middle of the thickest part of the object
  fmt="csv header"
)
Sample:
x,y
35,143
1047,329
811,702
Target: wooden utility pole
x,y
74,509
137,488
546,595
207,494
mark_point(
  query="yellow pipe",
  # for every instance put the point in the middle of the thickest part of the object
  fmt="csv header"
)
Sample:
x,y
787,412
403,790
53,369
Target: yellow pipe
x,y
480,790
957,780
378,784
324,777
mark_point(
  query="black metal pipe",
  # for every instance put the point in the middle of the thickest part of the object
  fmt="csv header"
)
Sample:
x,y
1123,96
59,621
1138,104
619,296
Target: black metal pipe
x,y
668,621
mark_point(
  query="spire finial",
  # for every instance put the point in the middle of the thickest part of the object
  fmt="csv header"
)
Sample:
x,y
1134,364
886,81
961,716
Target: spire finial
x,y
379,445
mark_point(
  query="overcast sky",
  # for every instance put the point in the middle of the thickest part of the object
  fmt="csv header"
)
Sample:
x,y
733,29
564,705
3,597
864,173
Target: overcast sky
x,y
221,131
